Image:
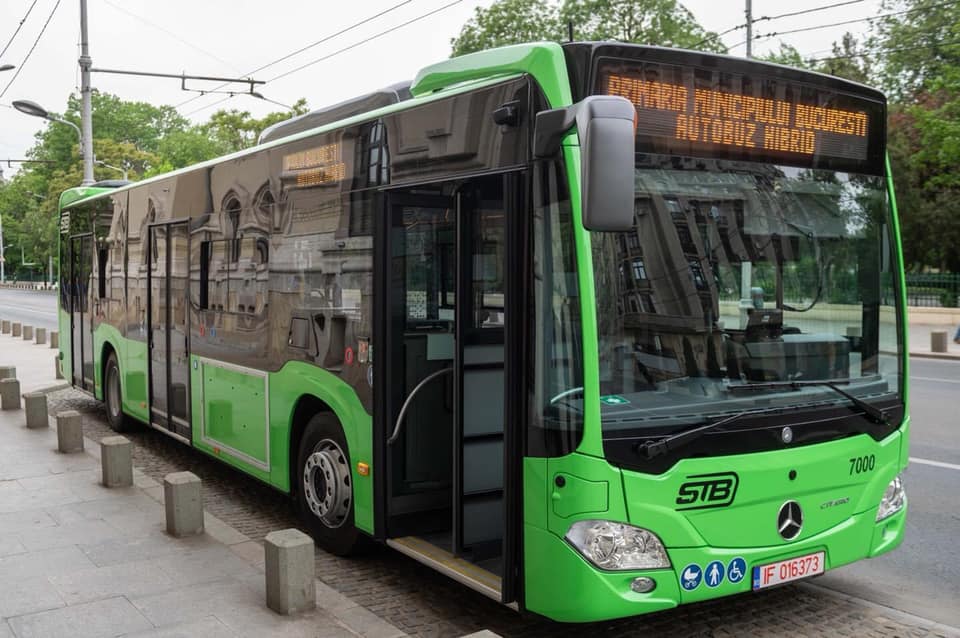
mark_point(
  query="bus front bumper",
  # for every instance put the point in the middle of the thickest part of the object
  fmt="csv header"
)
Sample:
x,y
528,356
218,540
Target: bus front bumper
x,y
562,585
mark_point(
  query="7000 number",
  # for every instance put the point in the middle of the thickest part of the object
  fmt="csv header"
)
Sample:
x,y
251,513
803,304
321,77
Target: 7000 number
x,y
861,464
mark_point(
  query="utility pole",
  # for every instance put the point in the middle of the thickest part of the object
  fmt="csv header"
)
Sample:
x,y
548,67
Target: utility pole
x,y
749,14
86,104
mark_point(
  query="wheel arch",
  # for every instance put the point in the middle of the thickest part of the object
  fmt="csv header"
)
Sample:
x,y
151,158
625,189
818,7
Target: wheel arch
x,y
106,349
306,406
307,391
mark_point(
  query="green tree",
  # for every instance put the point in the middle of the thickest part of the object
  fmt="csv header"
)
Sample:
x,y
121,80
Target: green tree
x,y
235,130
918,65
658,22
916,46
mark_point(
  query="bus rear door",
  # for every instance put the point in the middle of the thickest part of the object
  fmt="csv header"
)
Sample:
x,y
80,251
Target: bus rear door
x,y
168,330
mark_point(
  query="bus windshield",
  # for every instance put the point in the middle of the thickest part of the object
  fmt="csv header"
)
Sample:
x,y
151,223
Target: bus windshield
x,y
740,273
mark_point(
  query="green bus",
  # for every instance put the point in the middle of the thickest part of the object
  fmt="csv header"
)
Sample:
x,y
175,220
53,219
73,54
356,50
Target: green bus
x,y
594,329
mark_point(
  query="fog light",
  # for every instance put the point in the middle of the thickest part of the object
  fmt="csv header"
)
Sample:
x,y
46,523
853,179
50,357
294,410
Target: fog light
x,y
643,585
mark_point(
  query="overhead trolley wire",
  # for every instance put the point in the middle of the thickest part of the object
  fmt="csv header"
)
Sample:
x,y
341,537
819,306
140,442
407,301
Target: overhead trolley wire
x,y
19,26
343,50
365,40
775,17
895,50
866,19
30,52
301,50
171,34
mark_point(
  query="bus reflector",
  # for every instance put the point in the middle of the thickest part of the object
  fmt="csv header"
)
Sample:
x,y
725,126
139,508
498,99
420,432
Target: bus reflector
x,y
363,469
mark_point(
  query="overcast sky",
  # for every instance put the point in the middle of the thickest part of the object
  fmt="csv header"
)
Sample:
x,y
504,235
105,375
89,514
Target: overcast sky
x,y
233,38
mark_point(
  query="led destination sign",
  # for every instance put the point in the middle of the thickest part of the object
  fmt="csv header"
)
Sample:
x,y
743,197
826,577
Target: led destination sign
x,y
726,115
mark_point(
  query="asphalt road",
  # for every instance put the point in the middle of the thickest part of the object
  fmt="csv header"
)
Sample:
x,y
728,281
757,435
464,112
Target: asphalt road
x,y
922,577
37,308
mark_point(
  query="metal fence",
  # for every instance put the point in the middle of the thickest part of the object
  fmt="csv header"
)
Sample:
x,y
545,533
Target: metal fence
x,y
940,290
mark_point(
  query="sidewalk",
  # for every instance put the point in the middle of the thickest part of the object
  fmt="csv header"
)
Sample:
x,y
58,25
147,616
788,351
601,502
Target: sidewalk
x,y
80,560
919,341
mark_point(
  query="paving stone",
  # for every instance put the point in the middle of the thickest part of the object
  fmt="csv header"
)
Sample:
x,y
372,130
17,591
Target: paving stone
x,y
255,622
67,534
48,562
208,627
27,596
126,549
211,563
193,602
13,522
137,578
10,545
109,617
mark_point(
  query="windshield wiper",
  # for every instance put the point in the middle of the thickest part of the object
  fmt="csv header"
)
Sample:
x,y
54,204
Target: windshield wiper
x,y
663,446
872,412
654,449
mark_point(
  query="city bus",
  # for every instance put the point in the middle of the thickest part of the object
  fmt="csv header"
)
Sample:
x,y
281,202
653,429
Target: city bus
x,y
595,329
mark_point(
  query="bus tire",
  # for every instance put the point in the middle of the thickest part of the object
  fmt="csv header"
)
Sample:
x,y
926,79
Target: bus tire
x,y
113,398
324,485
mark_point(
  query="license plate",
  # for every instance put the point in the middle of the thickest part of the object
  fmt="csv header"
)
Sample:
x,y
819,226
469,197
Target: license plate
x,y
787,570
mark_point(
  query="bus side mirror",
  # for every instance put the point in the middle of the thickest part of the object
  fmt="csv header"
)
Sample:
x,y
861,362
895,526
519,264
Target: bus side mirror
x,y
605,126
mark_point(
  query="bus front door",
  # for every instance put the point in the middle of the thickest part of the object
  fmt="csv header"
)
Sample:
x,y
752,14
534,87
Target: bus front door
x,y
81,328
445,376
168,332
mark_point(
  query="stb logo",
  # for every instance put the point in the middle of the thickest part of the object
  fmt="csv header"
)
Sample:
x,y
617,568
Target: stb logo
x,y
707,490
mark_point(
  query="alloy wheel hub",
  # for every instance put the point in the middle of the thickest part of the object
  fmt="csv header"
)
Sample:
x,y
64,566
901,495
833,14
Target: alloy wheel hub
x,y
326,483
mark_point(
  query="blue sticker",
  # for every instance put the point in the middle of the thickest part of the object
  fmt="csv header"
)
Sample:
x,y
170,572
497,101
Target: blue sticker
x,y
690,577
736,570
713,574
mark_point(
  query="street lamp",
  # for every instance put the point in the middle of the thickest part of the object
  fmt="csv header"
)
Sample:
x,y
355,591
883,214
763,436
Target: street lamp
x,y
116,168
32,108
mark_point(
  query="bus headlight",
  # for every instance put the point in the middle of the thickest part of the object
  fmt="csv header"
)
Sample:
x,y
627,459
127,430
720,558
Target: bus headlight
x,y
893,499
610,545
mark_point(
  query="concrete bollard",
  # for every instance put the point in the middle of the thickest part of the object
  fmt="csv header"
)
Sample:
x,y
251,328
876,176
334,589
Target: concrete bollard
x,y
69,431
183,503
54,339
41,336
56,367
938,341
289,572
36,409
116,462
16,329
8,372
5,326
28,333
9,394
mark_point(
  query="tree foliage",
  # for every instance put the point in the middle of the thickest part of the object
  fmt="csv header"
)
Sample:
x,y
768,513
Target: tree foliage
x,y
658,22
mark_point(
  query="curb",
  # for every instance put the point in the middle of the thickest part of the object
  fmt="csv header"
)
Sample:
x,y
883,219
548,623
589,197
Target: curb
x,y
351,615
943,356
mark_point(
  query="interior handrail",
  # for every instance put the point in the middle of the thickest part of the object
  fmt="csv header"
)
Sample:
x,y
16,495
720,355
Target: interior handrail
x,y
406,403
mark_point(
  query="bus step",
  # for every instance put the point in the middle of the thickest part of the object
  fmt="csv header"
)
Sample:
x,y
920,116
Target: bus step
x,y
460,570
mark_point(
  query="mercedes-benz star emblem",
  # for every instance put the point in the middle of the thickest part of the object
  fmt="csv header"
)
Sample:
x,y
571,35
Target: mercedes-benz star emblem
x,y
786,434
790,520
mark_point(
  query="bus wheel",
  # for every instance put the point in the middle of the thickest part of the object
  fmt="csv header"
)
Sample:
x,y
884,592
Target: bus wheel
x,y
119,422
325,485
